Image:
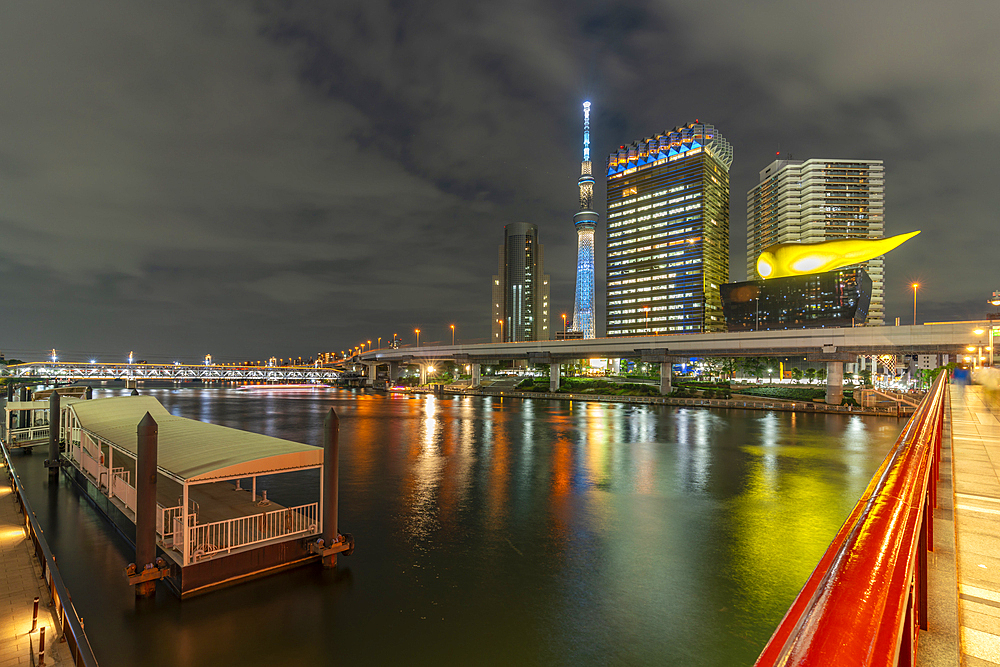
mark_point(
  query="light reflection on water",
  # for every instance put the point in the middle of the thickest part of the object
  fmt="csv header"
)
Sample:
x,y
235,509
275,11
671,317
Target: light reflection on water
x,y
501,531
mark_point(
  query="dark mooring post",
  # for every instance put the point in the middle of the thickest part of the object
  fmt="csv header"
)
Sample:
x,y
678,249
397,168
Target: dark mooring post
x,y
53,461
90,393
145,503
331,473
24,416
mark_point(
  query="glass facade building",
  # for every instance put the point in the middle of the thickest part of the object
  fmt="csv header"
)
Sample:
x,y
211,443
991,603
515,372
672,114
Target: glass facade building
x,y
832,299
668,233
520,288
819,200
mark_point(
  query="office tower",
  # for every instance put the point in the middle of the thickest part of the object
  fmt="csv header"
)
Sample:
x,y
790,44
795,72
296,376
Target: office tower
x,y
668,232
817,200
586,224
520,288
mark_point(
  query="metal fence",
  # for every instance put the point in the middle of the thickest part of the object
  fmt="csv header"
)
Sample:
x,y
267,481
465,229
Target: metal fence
x,y
121,488
221,537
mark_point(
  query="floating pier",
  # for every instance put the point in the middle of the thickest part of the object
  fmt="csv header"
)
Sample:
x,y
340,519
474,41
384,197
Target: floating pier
x,y
186,493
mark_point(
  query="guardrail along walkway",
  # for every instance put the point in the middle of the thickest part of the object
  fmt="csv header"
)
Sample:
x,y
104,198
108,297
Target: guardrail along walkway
x,y
976,451
20,582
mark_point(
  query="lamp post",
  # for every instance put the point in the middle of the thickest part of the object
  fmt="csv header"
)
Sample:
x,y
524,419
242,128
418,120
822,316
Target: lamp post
x,y
417,331
564,326
915,286
452,334
501,329
380,342
646,308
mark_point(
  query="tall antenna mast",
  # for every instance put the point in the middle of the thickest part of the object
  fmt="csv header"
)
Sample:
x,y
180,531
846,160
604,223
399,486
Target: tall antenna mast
x,y
586,224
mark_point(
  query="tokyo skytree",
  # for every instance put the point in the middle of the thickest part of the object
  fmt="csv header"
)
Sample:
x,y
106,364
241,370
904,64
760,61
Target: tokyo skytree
x,y
586,225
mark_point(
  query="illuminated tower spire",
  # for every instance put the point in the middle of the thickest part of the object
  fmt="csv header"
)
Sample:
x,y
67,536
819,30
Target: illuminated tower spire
x,y
586,225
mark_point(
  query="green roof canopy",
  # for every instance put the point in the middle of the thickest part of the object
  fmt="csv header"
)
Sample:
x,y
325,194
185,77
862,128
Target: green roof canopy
x,y
190,450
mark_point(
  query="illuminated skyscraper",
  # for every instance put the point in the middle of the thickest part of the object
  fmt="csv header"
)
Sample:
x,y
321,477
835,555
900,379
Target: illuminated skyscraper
x,y
819,200
668,232
520,288
586,225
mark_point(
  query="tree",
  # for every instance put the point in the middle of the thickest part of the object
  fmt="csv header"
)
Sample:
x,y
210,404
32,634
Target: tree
x,y
810,374
797,374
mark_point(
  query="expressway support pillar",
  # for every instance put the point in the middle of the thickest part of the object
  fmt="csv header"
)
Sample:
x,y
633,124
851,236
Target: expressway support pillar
x,y
554,369
393,370
616,367
666,368
477,375
423,374
371,374
834,382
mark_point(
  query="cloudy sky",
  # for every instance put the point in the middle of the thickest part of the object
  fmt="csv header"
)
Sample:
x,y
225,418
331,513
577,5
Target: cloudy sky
x,y
259,178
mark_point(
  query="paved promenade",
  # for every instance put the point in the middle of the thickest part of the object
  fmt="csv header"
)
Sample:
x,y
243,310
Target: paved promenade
x,y
975,433
20,583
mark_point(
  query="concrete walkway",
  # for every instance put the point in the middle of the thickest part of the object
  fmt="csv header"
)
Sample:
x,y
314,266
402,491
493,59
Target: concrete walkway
x,y
20,582
975,443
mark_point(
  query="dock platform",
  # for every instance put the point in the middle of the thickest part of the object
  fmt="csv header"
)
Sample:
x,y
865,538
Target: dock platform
x,y
212,527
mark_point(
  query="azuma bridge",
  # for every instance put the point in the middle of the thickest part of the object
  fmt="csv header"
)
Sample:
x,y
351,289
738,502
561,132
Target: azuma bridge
x,y
832,346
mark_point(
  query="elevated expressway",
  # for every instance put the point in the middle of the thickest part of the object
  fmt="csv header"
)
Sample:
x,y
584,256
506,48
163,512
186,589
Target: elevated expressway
x,y
833,346
171,372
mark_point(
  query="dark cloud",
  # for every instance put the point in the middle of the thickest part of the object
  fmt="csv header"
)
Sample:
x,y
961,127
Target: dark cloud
x,y
288,177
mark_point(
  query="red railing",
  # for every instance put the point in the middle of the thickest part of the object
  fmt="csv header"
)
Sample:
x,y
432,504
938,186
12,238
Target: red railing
x,y
866,601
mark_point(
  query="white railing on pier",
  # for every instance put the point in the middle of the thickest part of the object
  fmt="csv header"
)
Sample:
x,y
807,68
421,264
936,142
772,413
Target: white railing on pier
x,y
168,524
90,465
121,487
22,435
221,537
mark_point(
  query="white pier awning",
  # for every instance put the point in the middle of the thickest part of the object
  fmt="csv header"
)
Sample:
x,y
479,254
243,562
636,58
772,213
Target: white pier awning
x,y
190,450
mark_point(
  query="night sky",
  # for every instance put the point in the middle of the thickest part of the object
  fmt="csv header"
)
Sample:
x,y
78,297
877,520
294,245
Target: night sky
x,y
249,179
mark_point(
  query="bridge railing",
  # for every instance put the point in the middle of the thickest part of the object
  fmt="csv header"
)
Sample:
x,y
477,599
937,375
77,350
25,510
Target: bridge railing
x,y
866,601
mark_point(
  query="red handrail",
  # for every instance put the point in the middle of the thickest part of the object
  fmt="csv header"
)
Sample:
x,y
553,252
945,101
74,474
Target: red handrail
x,y
863,603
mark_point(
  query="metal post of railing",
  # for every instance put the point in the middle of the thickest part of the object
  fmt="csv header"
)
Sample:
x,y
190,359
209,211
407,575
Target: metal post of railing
x,y
34,616
926,540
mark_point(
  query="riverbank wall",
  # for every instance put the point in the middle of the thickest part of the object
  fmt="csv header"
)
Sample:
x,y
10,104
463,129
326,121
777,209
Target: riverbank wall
x,y
747,403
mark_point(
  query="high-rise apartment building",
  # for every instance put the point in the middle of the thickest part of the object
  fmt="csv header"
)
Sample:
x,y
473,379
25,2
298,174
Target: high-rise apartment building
x,y
817,200
585,220
668,232
520,288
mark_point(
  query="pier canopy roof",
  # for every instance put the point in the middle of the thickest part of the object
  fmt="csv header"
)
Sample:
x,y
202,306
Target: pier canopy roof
x,y
190,450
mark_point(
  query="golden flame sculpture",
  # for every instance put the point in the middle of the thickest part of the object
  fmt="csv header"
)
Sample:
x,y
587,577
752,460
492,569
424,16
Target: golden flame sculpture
x,y
799,259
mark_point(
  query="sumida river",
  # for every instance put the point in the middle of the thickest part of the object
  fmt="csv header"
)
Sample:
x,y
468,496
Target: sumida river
x,y
500,532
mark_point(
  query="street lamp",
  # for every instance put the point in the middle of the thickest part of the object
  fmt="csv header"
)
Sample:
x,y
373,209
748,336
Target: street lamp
x,y
452,334
564,326
915,286
646,308
380,342
417,331
501,330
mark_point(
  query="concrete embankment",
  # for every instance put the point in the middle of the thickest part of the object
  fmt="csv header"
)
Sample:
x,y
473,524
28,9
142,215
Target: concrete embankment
x,y
747,402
